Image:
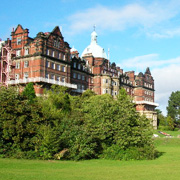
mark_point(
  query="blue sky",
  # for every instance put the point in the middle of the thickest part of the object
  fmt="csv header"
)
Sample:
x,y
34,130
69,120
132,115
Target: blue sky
x,y
139,33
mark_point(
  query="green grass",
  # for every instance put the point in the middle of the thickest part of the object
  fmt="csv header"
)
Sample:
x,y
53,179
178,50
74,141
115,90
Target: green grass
x,y
166,167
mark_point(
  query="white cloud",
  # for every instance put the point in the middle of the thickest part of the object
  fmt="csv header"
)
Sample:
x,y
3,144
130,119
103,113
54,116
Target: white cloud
x,y
166,81
167,33
149,60
132,15
166,74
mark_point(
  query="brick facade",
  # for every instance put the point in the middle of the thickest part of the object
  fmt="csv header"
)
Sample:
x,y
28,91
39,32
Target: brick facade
x,y
47,59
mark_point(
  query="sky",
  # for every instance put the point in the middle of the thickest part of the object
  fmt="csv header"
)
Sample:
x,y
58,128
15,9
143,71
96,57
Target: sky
x,y
138,33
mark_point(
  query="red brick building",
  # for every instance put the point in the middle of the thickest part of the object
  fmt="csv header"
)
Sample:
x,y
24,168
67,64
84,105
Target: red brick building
x,y
47,59
44,60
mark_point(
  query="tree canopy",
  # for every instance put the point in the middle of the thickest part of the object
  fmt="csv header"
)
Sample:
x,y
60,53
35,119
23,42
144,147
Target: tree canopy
x,y
58,125
173,108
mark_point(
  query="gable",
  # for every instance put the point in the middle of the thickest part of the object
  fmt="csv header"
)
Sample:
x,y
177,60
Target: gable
x,y
56,31
19,29
148,71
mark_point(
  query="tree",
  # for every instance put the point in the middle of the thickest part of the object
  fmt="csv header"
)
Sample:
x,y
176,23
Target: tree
x,y
173,108
29,92
19,122
161,119
170,123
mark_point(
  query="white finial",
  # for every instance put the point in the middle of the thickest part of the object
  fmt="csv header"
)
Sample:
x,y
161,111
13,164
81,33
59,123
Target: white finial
x,y
94,27
108,53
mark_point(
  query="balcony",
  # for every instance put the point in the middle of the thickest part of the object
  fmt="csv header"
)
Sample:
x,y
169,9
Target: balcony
x,y
146,102
41,79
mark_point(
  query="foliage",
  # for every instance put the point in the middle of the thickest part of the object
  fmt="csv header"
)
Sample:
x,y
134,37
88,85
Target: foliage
x,y
161,119
72,127
18,121
173,108
29,92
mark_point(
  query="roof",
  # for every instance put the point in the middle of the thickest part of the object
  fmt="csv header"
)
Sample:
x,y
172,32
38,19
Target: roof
x,y
94,48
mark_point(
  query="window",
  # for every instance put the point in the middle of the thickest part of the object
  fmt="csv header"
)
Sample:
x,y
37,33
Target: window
x,y
58,67
83,77
52,76
63,68
48,52
63,79
26,51
106,81
74,75
17,65
112,92
47,63
55,43
79,66
79,76
53,53
74,64
47,76
52,65
26,64
105,91
18,41
16,76
64,57
18,53
82,87
115,93
60,55
26,75
58,78
58,44
79,86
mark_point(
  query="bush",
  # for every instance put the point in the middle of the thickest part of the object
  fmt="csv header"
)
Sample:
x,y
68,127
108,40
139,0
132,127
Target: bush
x,y
132,153
88,126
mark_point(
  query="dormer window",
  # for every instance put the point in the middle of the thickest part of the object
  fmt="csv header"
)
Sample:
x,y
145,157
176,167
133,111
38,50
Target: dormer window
x,y
18,41
79,66
55,43
74,64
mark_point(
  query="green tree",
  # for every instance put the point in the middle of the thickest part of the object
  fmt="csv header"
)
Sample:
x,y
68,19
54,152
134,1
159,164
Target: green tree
x,y
55,108
170,123
161,119
173,108
19,123
29,92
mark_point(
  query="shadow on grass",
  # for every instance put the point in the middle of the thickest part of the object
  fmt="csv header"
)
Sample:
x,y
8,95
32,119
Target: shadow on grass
x,y
159,154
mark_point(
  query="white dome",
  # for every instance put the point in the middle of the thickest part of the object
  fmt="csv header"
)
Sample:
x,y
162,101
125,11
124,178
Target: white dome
x,y
73,49
94,48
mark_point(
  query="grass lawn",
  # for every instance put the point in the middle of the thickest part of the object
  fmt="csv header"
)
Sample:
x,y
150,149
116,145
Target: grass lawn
x,y
166,167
